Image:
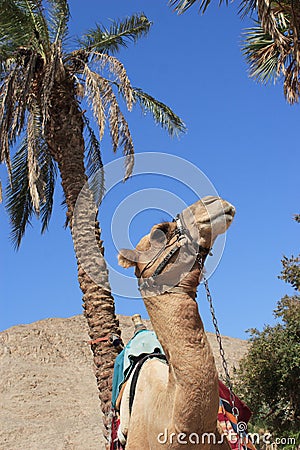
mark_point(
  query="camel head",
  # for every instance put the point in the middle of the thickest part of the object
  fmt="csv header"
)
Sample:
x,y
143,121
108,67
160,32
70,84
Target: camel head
x,y
198,225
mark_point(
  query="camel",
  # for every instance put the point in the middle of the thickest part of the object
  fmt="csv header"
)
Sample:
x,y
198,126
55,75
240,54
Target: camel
x,y
176,404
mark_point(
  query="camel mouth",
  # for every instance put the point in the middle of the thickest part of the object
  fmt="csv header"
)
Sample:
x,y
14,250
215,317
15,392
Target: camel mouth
x,y
228,212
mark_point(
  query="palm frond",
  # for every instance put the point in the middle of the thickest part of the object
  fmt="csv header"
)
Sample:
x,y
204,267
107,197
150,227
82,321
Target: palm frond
x,y
54,69
162,114
39,25
102,99
59,15
115,117
23,24
270,18
15,92
7,104
291,86
23,88
93,93
48,174
15,25
94,164
33,137
181,6
118,35
19,200
19,204
247,8
127,144
1,192
272,48
262,55
118,69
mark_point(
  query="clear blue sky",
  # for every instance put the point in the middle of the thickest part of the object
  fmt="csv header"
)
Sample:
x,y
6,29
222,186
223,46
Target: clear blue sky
x,y
243,136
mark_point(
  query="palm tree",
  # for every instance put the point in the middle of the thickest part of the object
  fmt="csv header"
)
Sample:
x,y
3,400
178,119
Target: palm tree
x,y
43,87
272,46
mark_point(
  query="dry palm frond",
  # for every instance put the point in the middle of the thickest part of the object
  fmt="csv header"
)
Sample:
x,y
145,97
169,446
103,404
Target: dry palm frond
x,y
33,163
274,43
280,22
262,55
268,16
93,94
54,70
19,201
118,69
102,98
79,88
7,93
26,71
291,84
114,113
119,129
15,91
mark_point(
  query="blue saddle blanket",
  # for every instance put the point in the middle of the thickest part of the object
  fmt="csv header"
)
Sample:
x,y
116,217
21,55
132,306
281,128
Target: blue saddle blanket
x,y
143,342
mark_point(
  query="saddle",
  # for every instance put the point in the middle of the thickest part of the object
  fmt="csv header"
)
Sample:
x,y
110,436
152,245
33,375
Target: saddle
x,y
143,343
143,346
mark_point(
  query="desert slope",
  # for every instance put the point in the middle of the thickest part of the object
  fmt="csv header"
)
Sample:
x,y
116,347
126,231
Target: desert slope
x,y
48,393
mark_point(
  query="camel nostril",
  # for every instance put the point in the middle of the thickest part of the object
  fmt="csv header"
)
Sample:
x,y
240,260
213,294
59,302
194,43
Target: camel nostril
x,y
232,210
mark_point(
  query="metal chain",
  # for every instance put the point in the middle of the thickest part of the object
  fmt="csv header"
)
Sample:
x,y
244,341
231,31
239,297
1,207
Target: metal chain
x,y
235,410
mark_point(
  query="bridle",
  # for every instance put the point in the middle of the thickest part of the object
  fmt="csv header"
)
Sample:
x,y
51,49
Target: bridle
x,y
183,238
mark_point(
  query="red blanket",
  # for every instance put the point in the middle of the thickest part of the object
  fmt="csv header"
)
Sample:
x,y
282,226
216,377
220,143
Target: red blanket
x,y
234,428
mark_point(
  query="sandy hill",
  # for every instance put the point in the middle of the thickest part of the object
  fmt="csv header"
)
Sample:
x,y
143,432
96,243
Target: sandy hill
x,y
48,393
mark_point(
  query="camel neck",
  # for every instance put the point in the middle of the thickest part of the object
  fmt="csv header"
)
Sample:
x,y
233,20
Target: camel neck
x,y
179,328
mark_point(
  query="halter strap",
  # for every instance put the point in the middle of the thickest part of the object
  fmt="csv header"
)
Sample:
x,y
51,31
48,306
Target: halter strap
x,y
182,233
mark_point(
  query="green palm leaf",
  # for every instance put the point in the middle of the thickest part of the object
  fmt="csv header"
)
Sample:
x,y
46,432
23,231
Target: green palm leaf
x,y
94,164
162,114
59,15
19,203
15,26
262,54
48,174
120,33
247,8
22,24
181,6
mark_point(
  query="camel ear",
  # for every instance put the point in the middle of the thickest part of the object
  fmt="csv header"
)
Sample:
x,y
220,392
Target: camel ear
x,y
127,258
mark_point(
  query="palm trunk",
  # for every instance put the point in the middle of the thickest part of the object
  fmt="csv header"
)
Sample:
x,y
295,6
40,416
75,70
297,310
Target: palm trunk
x,y
64,135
